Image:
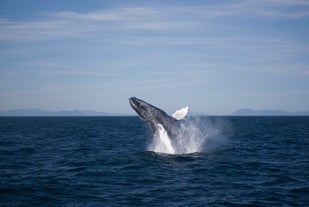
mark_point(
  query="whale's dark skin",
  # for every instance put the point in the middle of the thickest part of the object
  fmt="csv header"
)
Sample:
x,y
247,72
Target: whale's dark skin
x,y
154,116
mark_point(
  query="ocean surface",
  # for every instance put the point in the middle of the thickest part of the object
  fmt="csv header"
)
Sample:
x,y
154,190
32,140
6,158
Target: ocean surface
x,y
112,161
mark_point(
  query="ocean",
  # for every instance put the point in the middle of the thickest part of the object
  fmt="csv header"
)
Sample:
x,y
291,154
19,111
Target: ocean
x,y
114,161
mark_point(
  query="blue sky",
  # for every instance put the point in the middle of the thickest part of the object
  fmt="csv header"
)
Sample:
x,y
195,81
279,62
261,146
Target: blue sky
x,y
215,56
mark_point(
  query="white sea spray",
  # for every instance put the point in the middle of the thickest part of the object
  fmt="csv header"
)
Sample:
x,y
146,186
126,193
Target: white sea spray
x,y
194,136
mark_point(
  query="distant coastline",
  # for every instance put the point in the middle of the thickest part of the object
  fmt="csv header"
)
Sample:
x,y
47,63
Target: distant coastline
x,y
40,112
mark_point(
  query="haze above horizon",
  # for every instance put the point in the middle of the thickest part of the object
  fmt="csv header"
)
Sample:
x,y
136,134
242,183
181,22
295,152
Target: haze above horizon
x,y
214,57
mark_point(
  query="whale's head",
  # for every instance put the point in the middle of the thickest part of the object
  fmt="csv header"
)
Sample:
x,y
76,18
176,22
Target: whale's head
x,y
145,110
152,115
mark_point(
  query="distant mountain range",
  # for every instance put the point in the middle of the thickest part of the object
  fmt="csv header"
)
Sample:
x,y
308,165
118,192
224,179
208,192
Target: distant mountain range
x,y
266,112
39,112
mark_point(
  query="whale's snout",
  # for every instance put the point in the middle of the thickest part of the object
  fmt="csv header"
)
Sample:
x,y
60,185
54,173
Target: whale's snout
x,y
133,102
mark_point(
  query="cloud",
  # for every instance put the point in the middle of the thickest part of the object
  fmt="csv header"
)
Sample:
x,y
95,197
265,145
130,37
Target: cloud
x,y
155,27
131,18
33,30
277,9
176,19
130,13
68,23
285,9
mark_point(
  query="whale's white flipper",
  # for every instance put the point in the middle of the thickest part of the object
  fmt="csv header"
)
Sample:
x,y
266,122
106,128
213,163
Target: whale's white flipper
x,y
181,113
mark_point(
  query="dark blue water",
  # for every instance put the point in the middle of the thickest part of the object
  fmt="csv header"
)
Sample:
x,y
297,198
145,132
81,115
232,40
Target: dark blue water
x,y
103,161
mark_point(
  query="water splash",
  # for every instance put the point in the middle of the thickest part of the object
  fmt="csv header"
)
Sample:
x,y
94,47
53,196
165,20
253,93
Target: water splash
x,y
194,136
162,142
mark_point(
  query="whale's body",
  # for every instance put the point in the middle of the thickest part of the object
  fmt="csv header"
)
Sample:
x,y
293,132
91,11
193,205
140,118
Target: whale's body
x,y
157,119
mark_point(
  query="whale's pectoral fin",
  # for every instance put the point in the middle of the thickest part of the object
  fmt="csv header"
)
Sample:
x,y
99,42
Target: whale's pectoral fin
x,y
181,113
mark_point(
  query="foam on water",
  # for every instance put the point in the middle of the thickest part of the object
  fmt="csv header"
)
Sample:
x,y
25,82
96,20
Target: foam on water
x,y
193,137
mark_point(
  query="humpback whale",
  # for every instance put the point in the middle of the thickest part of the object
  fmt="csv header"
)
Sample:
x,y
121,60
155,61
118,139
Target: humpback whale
x,y
157,119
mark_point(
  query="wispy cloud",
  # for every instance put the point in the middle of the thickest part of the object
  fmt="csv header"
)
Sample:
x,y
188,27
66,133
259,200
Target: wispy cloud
x,y
67,23
279,9
172,26
34,30
173,19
